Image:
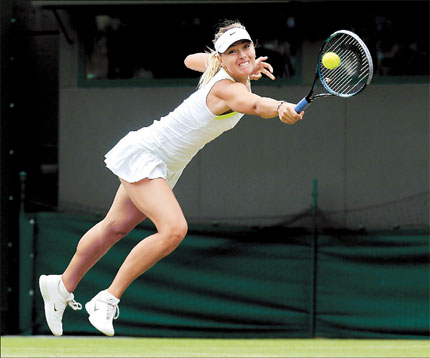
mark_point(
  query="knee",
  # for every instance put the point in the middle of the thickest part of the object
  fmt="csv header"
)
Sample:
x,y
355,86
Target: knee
x,y
114,231
173,235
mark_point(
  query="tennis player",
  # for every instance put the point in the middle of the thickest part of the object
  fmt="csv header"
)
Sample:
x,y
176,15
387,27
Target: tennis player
x,y
149,162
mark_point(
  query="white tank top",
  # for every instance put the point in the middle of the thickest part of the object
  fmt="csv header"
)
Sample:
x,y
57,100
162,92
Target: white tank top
x,y
177,137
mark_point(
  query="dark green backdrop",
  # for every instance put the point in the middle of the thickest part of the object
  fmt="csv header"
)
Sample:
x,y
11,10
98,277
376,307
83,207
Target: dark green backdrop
x,y
242,283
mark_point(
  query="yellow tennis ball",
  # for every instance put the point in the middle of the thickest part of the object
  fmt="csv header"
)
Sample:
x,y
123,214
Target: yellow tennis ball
x,y
330,60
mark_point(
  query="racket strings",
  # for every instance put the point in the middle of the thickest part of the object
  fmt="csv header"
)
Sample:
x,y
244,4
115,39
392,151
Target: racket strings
x,y
348,75
350,68
354,70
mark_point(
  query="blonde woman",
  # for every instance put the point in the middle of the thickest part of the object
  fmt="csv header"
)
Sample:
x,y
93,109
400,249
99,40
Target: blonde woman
x,y
148,163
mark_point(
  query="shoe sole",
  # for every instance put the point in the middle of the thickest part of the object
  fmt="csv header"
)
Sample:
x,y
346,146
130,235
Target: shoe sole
x,y
43,286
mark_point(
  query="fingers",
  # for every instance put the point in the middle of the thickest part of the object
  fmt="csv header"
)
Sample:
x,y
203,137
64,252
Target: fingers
x,y
268,65
262,67
261,58
267,69
255,76
268,73
288,114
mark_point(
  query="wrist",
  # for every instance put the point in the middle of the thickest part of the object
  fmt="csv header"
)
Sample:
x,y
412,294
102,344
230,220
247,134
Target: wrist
x,y
279,106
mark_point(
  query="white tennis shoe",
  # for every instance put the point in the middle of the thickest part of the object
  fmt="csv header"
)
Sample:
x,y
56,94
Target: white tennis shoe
x,y
55,299
103,309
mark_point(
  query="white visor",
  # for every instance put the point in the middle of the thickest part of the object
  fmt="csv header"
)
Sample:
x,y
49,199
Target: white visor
x,y
230,37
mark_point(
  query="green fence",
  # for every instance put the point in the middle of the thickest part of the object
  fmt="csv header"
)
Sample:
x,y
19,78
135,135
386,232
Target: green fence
x,y
242,283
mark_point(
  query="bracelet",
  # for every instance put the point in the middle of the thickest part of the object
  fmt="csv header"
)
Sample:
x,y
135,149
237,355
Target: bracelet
x,y
279,105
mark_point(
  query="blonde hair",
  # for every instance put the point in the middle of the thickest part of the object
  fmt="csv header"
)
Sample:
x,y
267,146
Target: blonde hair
x,y
213,66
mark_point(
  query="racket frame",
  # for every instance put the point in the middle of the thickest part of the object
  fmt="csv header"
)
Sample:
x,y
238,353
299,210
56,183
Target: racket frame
x,y
318,75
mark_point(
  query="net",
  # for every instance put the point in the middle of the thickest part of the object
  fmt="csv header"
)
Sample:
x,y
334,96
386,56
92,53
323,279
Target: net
x,y
411,212
407,213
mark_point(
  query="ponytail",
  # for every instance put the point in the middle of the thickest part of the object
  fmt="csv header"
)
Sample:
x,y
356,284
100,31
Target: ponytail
x,y
211,70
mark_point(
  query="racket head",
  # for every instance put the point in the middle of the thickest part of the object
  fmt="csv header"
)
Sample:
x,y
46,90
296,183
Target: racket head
x,y
355,70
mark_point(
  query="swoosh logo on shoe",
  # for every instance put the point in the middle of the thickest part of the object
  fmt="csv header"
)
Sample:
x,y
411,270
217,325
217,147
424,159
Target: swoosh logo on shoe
x,y
95,307
55,308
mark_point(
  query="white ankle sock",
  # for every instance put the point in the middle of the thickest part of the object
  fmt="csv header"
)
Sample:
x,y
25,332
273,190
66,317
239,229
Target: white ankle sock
x,y
62,290
111,295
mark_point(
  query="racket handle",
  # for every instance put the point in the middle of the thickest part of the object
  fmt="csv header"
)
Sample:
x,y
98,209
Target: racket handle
x,y
301,105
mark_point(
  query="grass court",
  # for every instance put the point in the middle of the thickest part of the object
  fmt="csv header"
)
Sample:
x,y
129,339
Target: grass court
x,y
73,346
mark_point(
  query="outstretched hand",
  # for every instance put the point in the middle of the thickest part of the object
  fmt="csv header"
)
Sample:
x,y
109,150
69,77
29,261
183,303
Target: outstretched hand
x,y
261,68
287,113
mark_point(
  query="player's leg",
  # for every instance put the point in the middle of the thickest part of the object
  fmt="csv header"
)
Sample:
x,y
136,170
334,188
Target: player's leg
x,y
57,290
156,199
121,218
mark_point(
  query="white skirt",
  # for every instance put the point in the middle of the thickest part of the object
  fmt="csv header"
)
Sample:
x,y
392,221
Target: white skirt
x,y
132,163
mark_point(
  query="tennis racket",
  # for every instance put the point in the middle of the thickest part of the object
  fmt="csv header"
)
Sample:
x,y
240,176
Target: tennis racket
x,y
350,77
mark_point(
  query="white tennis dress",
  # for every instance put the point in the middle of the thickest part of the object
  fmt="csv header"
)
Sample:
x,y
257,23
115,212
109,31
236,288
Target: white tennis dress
x,y
163,149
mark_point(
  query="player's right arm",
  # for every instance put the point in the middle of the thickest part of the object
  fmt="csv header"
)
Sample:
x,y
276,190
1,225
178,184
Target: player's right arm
x,y
197,61
235,96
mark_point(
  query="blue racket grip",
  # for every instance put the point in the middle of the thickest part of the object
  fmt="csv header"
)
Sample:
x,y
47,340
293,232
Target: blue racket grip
x,y
301,105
